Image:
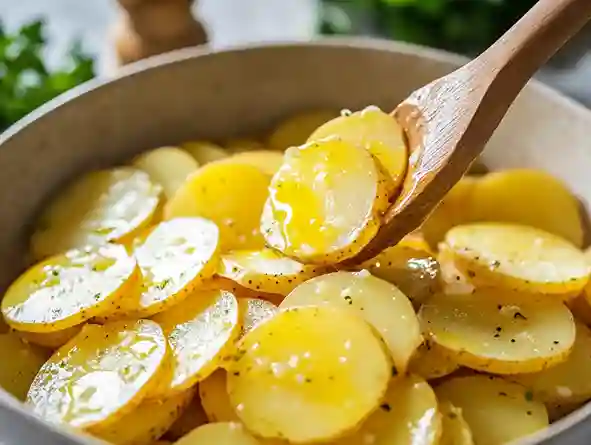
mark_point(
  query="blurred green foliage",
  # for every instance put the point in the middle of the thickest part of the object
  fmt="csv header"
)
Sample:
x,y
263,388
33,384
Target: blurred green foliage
x,y
26,82
464,26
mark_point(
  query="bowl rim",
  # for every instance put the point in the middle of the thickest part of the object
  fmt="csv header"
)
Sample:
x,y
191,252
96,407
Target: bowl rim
x,y
555,431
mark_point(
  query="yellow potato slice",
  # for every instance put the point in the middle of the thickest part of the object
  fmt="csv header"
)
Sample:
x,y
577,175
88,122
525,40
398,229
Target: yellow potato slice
x,y
408,414
205,152
239,145
201,330
192,417
148,422
431,362
51,340
529,197
223,433
70,288
102,206
255,311
266,161
518,257
175,257
325,202
508,338
321,364
497,411
215,398
567,382
377,132
296,129
380,303
455,429
20,364
100,375
454,210
266,270
231,195
167,166
414,271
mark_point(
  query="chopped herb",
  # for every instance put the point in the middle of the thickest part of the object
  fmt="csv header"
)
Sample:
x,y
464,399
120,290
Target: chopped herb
x,y
348,299
97,296
163,284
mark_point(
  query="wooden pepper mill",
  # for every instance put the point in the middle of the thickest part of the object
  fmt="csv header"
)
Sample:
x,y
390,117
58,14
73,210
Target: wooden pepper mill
x,y
150,27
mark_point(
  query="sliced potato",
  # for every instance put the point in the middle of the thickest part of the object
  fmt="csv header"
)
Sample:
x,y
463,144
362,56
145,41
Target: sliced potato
x,y
296,129
201,330
507,338
408,414
496,411
529,197
453,281
431,362
70,288
226,433
380,303
20,364
322,364
205,152
456,430
567,382
414,271
100,375
266,161
102,206
167,166
215,398
377,132
518,257
231,195
255,311
325,202
191,417
148,422
51,340
175,257
238,145
454,210
266,270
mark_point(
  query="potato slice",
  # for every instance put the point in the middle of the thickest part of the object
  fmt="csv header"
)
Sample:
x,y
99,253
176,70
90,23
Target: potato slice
x,y
529,197
414,271
567,382
455,429
192,416
377,132
231,195
205,152
148,422
100,375
508,338
70,288
296,129
175,257
408,414
322,364
102,206
380,303
20,364
226,433
215,398
496,411
167,166
518,257
453,281
325,202
201,330
431,362
266,161
255,311
239,145
454,210
266,270
51,340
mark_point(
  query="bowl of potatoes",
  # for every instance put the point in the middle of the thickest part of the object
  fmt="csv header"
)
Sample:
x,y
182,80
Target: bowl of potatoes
x,y
173,261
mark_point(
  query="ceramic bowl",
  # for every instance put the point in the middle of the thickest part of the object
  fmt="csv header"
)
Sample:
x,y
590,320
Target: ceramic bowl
x,y
194,93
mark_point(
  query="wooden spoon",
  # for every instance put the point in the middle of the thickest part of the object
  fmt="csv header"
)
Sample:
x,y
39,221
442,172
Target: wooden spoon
x,y
449,121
